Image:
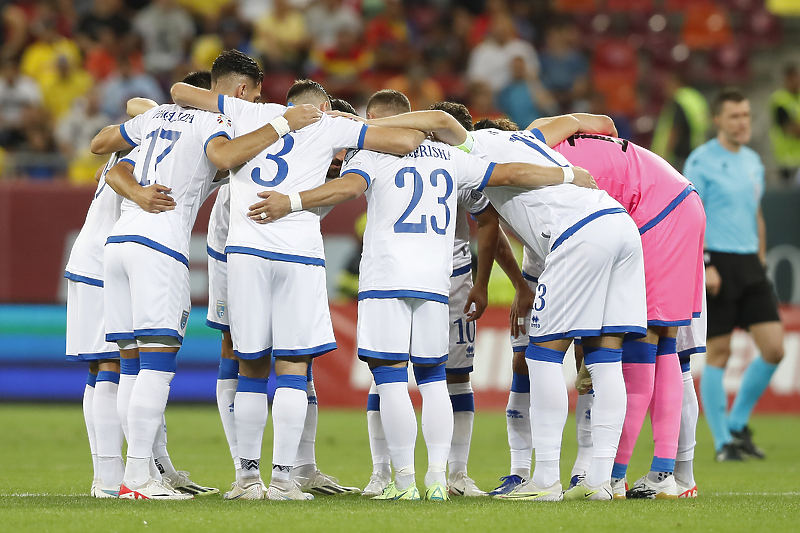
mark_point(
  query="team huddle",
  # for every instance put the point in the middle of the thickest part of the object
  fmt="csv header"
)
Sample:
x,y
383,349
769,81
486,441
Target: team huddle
x,y
613,261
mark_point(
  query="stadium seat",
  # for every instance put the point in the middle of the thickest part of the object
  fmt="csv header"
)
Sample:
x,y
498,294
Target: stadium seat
x,y
728,65
615,74
762,29
630,6
276,85
706,26
576,6
673,6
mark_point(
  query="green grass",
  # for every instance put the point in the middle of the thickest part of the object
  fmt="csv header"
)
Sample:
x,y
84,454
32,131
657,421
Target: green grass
x,y
44,456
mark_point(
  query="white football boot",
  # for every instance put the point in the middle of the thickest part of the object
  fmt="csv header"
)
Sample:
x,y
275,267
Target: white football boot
x,y
278,494
254,491
619,489
324,484
666,489
152,490
377,484
187,486
686,491
463,485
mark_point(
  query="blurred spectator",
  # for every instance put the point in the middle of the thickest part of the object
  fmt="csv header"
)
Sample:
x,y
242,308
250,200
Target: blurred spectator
x,y
525,99
341,68
124,85
490,61
280,35
598,106
388,35
17,92
39,59
106,16
15,30
38,158
210,10
76,130
565,70
480,102
61,87
784,133
422,90
683,122
327,19
166,29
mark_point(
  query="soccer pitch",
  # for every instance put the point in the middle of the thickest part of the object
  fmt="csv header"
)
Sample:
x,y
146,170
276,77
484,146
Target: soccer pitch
x,y
45,474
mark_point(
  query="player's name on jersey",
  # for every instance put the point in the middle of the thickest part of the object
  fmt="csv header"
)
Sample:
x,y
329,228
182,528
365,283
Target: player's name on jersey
x,y
430,151
175,116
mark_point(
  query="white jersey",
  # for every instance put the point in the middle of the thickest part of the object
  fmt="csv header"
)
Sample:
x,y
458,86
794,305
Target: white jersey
x,y
86,258
532,265
297,162
411,207
218,223
539,216
173,143
472,202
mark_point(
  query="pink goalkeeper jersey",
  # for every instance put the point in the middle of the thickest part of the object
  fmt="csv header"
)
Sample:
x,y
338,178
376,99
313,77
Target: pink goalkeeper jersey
x,y
644,183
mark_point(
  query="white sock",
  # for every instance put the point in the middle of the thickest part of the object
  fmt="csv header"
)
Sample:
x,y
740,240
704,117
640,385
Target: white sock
x,y
381,460
608,415
400,427
145,414
88,418
583,427
684,461
250,415
126,382
226,394
107,429
289,409
306,462
520,440
161,455
548,412
437,428
463,402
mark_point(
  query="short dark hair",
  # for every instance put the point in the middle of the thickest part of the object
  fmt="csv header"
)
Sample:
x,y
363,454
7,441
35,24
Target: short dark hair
x,y
458,111
306,88
337,104
504,124
235,63
200,78
391,99
728,94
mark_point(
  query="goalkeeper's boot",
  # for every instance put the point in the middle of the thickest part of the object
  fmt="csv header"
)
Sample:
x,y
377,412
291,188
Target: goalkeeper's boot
x,y
619,488
644,488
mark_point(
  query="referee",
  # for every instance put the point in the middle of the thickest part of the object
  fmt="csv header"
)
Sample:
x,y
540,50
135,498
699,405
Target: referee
x,y
729,177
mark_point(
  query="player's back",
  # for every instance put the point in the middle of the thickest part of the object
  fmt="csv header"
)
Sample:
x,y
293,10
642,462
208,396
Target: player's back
x,y
173,142
538,216
640,180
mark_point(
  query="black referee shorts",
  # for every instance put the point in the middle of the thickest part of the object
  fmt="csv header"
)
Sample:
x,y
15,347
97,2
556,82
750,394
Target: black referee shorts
x,y
746,296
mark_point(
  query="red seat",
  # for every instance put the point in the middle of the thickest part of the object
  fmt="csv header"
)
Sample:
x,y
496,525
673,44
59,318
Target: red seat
x,y
682,5
276,85
630,6
576,6
762,29
706,26
615,74
729,65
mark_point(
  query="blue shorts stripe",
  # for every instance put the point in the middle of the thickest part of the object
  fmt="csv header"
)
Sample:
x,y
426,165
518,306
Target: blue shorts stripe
x,y
402,293
429,374
108,375
144,241
160,361
217,325
364,354
275,256
547,355
635,332
314,351
253,355
83,279
667,346
216,255
158,332
97,356
667,210
569,232
459,371
419,360
123,336
697,314
291,381
528,277
463,402
669,323
389,374
256,385
461,271
517,349
374,402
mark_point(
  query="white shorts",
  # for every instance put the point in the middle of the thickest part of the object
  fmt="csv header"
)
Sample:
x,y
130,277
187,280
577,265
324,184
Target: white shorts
x,y
592,283
520,343
217,316
462,333
692,338
402,329
86,330
278,308
146,293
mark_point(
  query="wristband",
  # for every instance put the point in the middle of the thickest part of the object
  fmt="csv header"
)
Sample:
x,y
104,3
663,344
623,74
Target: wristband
x,y
569,174
467,145
706,259
296,203
281,125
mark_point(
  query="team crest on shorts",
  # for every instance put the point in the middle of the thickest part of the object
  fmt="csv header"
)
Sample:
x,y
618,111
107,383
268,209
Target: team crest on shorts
x,y
184,319
535,322
470,351
220,308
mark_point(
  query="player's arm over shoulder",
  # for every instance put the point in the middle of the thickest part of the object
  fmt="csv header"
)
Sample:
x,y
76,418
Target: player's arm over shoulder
x,y
555,130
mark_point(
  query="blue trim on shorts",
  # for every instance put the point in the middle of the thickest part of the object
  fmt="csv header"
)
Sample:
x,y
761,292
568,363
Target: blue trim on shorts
x,y
365,354
388,374
275,256
360,173
217,325
601,355
528,277
459,371
667,210
517,349
126,136
685,362
129,367
253,355
403,293
520,383
91,379
124,336
108,375
667,346
486,176
642,353
254,385
228,368
83,279
150,244
461,271
696,314
309,371
291,381
361,136
429,374
463,402
570,231
636,332
94,356
480,211
374,402
669,323
160,361
547,355
314,351
417,360
688,352
214,136
158,332
216,255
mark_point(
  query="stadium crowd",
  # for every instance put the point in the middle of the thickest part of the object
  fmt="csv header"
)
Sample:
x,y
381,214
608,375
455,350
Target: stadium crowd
x,y
68,67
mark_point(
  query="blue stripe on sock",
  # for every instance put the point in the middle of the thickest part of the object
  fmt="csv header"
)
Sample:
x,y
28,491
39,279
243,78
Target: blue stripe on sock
x,y
291,381
660,464
91,379
619,471
520,383
129,367
601,355
429,374
754,381
639,352
309,372
388,374
686,363
715,403
540,353
160,361
228,369
108,375
667,346
374,402
463,402
257,385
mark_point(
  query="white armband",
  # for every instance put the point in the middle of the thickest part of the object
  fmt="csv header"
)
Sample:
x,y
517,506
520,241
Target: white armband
x,y
569,174
296,203
281,125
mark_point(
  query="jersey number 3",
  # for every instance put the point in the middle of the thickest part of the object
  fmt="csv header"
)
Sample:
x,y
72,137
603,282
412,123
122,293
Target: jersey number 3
x,y
401,226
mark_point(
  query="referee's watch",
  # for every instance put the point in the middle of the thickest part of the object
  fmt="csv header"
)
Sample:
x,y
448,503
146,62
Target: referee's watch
x,y
707,259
